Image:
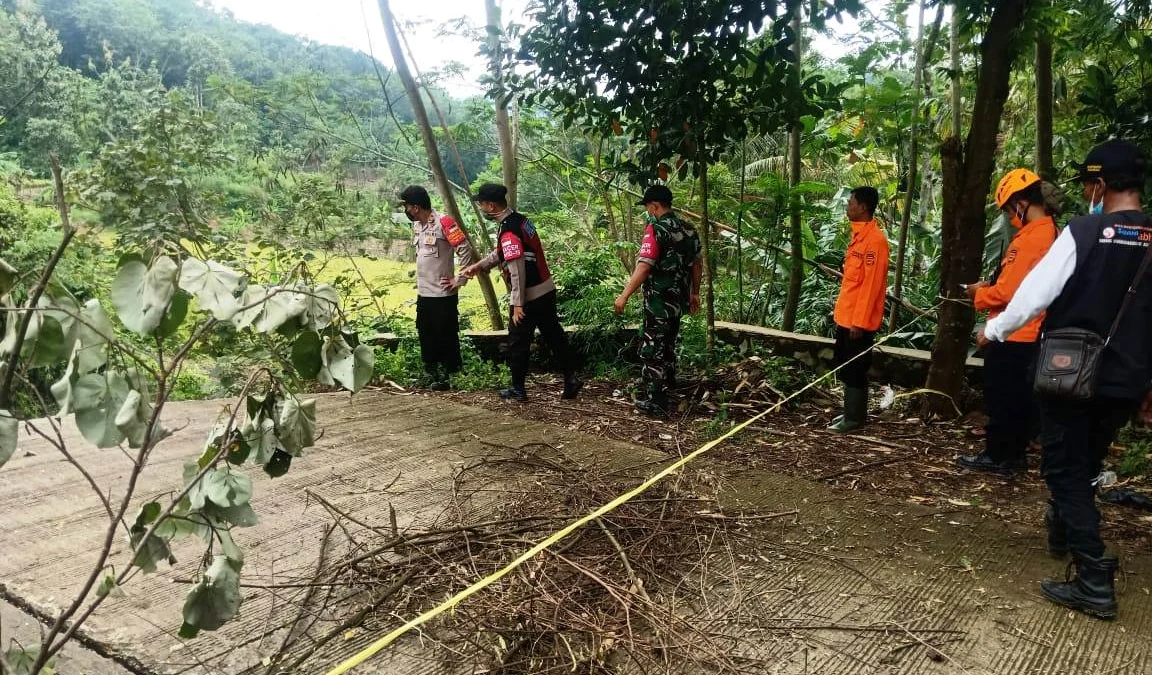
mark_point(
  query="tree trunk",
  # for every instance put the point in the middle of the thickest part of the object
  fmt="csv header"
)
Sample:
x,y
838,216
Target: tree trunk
x,y
740,234
923,55
954,50
967,178
1044,106
706,253
503,127
796,275
434,163
605,192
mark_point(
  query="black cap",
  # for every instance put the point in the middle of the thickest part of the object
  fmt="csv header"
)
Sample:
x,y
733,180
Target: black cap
x,y
656,193
417,196
1112,158
491,192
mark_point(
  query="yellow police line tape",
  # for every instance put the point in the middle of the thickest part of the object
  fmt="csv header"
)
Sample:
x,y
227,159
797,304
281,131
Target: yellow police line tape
x,y
372,649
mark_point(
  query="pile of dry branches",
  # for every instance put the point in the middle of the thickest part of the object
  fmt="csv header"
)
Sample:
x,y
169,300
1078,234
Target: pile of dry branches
x,y
634,592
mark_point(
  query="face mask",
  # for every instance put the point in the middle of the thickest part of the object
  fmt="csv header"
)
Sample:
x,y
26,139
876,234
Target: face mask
x,y
1096,208
650,219
489,215
1017,220
411,215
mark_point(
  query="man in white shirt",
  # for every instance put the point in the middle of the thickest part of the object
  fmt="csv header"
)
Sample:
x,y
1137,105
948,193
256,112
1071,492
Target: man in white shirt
x,y
1082,282
437,238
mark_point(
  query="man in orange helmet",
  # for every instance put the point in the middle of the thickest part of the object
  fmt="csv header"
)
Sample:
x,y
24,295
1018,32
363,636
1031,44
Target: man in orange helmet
x,y
1008,365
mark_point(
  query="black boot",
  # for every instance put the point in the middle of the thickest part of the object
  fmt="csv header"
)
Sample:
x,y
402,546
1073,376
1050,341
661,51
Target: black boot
x,y
1093,590
985,462
572,386
655,406
855,411
1057,533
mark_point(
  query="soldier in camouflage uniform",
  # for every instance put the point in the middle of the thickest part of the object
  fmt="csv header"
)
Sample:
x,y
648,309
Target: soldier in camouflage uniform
x,y
669,270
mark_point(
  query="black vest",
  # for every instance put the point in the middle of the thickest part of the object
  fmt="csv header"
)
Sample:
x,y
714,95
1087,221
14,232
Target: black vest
x,y
535,266
1109,250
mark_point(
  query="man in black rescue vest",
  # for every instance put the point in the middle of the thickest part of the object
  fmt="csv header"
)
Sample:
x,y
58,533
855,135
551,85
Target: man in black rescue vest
x,y
1082,282
532,293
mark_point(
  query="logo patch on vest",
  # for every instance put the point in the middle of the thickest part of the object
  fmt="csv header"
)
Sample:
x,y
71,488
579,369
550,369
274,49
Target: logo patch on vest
x,y
511,247
1060,361
452,231
1109,232
870,258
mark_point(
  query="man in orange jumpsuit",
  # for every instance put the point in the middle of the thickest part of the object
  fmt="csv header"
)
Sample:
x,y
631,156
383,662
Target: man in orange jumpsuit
x,y
859,309
1008,365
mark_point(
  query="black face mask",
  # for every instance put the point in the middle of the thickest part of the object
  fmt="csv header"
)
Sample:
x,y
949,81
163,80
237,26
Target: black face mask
x,y
411,216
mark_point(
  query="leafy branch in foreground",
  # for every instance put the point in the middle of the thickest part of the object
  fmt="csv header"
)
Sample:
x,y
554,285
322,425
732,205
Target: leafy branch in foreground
x,y
116,390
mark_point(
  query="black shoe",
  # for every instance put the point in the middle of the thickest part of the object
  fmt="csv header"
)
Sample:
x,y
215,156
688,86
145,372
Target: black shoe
x,y
572,387
984,462
1092,592
440,385
514,394
1057,533
652,408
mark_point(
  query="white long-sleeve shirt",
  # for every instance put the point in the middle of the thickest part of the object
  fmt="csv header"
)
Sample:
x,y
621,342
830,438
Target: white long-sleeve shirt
x,y
1039,289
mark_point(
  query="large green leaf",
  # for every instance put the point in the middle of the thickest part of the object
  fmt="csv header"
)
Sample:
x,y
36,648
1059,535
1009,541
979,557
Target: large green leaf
x,y
177,312
62,389
50,345
214,286
12,329
154,550
279,464
352,368
236,516
306,354
260,434
296,424
133,417
97,400
214,600
9,434
65,310
226,488
251,304
322,304
141,293
93,333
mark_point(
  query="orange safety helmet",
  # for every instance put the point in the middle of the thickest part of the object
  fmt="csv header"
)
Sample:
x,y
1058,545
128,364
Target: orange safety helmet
x,y
1013,182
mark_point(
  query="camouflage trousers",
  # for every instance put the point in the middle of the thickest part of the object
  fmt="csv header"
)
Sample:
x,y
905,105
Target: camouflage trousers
x,y
658,354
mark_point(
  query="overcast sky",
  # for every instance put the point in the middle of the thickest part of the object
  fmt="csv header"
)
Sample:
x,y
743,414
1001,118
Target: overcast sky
x,y
356,24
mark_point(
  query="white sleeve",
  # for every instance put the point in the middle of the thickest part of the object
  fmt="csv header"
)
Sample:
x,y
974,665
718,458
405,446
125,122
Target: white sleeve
x,y
1042,285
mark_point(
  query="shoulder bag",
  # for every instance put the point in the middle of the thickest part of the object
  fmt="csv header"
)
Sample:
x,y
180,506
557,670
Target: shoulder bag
x,y
1070,357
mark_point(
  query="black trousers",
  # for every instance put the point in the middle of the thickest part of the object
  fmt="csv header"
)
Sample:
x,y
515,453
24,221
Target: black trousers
x,y
855,374
1008,372
539,313
1076,436
438,325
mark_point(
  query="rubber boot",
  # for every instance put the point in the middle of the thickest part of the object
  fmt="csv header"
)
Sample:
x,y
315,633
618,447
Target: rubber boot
x,y
572,386
655,406
984,462
516,392
855,411
1057,534
1092,592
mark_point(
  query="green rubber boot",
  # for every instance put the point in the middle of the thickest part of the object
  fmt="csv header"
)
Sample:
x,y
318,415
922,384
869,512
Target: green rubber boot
x,y
855,411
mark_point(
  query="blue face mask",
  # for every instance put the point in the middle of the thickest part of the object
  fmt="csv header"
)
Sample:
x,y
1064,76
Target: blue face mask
x,y
1095,208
